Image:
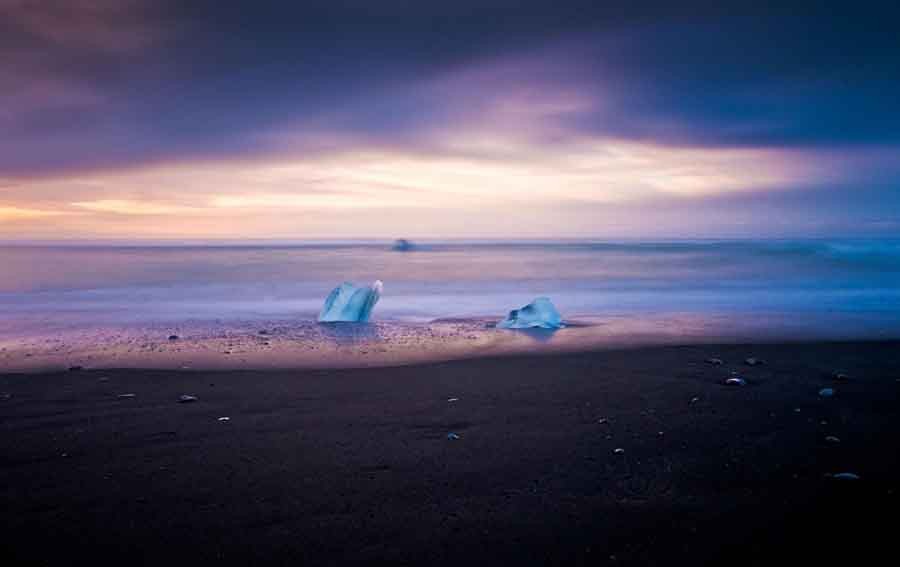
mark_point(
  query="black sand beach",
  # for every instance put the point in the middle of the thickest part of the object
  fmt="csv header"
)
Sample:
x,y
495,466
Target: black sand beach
x,y
378,465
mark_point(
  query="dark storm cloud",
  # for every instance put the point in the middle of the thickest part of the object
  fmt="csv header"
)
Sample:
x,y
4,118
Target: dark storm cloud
x,y
106,83
803,79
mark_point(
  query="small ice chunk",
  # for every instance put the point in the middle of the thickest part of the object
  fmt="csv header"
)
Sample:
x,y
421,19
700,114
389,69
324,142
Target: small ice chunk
x,y
619,451
714,361
753,361
826,392
224,418
186,399
350,303
452,436
540,314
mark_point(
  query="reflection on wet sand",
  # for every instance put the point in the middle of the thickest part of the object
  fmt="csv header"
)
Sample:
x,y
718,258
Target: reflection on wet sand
x,y
220,344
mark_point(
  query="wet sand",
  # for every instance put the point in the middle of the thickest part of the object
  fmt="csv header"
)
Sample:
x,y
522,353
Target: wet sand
x,y
40,344
358,466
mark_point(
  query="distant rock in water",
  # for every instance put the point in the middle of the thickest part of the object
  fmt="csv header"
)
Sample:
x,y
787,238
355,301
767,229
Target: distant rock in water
x,y
350,303
403,245
539,314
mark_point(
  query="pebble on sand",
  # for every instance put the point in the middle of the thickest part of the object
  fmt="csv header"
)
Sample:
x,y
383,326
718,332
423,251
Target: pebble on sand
x,y
826,392
76,368
224,418
173,337
735,381
618,451
185,399
451,400
845,476
452,436
753,361
832,439
125,396
714,361
839,377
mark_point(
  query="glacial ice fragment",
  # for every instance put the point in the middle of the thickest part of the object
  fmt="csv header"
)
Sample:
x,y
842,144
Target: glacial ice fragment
x,y
540,314
350,303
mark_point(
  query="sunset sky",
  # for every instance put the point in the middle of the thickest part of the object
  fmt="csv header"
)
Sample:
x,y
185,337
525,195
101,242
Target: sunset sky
x,y
164,119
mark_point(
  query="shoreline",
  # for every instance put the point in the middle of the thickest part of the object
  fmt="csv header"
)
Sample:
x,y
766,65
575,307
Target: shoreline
x,y
293,344
471,357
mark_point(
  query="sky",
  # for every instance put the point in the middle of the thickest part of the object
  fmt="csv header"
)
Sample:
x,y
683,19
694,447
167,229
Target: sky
x,y
202,119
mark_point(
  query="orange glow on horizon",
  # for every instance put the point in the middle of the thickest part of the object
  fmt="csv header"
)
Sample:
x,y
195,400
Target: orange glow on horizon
x,y
373,190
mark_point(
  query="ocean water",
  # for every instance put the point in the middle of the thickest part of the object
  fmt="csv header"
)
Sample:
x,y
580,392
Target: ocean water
x,y
256,306
818,280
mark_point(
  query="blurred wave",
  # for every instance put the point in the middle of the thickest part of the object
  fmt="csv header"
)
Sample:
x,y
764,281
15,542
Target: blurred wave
x,y
454,279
